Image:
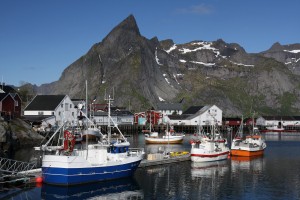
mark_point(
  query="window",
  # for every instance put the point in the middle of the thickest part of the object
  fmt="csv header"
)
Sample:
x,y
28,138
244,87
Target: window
x,y
70,105
59,113
66,106
16,103
40,113
61,105
73,114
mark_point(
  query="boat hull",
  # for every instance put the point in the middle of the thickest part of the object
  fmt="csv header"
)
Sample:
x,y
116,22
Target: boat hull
x,y
207,157
239,152
163,141
74,176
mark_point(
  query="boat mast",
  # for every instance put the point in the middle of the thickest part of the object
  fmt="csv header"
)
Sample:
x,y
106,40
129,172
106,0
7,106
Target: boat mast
x,y
108,125
86,117
110,118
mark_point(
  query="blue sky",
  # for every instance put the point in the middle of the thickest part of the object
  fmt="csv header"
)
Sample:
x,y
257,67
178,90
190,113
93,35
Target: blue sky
x,y
40,38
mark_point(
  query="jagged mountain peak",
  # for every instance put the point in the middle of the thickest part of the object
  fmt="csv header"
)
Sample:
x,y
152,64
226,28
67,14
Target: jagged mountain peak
x,y
127,28
276,47
143,71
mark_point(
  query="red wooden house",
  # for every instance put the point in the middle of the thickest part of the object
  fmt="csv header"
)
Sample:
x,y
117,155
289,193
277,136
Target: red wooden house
x,y
231,121
139,118
10,102
150,116
7,104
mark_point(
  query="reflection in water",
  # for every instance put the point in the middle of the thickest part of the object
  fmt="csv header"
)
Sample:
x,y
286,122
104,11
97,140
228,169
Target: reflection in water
x,y
126,188
209,178
16,193
209,169
276,175
282,136
250,164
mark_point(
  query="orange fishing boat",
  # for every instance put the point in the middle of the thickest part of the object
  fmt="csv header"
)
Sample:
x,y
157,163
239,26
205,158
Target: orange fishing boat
x,y
252,145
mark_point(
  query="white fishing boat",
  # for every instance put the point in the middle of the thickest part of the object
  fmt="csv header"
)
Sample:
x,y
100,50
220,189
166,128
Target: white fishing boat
x,y
91,133
275,128
170,137
64,165
209,146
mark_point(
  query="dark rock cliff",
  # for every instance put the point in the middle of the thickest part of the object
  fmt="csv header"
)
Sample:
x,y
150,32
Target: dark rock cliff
x,y
145,71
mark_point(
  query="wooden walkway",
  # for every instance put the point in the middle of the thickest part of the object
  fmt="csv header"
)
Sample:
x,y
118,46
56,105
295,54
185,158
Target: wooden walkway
x,y
147,163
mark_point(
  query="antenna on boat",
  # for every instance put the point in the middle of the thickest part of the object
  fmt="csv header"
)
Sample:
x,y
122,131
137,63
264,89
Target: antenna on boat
x,y
109,99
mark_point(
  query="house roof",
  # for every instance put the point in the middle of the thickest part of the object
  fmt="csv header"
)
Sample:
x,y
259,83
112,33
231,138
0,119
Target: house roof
x,y
113,113
37,118
45,102
3,96
280,118
169,106
7,89
192,110
178,117
231,119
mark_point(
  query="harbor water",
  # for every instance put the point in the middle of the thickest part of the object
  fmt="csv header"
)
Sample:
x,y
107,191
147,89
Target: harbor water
x,y
276,175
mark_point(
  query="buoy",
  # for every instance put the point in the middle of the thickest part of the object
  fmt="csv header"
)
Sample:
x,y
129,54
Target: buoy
x,y
39,179
39,185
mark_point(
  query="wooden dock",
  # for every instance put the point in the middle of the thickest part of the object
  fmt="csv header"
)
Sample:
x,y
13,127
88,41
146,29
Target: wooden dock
x,y
147,163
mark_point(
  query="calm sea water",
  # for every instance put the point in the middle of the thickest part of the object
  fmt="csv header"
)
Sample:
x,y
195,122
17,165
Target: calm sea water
x,y
276,175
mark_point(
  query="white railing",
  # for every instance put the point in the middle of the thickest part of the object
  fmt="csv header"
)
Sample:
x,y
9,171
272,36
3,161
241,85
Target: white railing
x,y
136,151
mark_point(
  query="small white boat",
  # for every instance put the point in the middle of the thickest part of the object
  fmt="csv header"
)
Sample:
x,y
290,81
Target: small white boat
x,y
275,128
170,137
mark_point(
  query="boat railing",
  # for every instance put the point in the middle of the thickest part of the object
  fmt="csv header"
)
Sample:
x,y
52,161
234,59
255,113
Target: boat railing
x,y
136,151
15,166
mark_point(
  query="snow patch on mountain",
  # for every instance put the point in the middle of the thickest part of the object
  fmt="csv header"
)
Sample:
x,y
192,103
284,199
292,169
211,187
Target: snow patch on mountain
x,y
172,48
202,63
292,51
156,58
241,64
201,46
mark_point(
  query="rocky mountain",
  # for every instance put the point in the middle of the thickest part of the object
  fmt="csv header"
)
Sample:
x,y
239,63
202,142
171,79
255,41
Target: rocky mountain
x,y
145,71
287,54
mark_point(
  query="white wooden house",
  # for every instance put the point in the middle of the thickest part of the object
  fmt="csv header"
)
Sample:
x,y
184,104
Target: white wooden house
x,y
119,117
51,110
168,109
198,115
278,121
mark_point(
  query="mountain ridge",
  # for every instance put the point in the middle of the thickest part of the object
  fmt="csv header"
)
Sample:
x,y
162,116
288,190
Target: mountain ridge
x,y
144,71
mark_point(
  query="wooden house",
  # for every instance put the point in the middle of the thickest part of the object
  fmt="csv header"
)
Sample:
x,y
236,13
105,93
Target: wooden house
x,y
169,108
7,105
51,110
232,121
198,115
290,121
119,117
9,108
140,118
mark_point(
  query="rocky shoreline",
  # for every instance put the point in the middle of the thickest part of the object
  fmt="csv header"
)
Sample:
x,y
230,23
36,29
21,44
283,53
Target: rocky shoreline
x,y
16,134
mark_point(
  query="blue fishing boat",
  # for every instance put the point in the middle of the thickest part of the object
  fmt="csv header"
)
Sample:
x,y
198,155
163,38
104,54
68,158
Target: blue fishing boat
x,y
107,159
